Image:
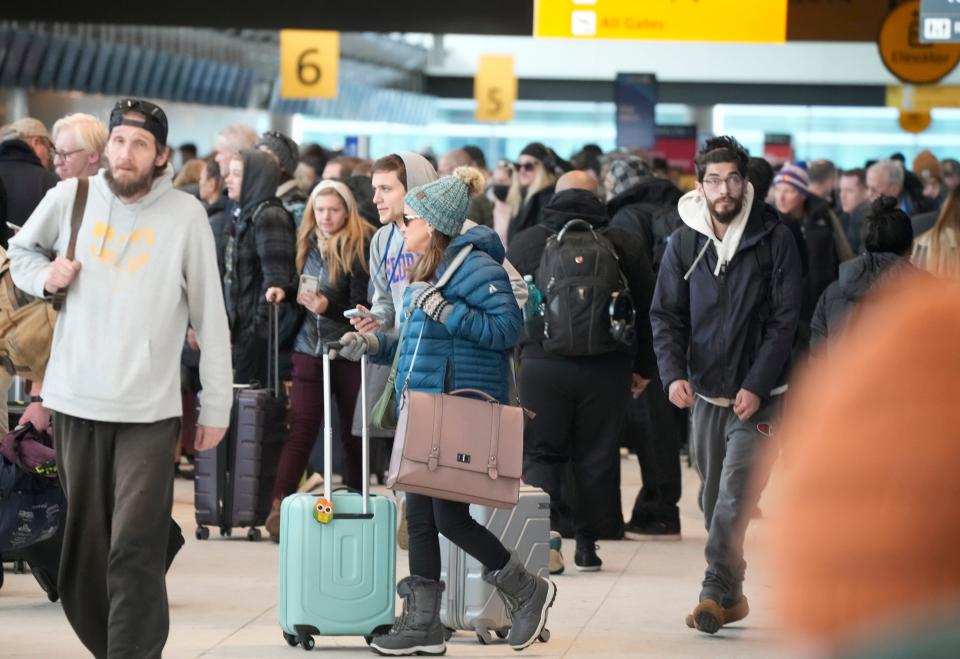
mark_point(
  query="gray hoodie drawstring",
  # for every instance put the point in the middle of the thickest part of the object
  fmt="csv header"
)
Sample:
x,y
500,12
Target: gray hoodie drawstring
x,y
703,251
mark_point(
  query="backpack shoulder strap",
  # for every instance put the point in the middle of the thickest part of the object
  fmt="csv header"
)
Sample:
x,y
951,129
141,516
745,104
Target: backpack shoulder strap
x,y
688,246
76,219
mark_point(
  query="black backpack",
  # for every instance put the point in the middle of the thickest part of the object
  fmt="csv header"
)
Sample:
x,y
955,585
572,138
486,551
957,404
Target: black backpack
x,y
662,224
587,305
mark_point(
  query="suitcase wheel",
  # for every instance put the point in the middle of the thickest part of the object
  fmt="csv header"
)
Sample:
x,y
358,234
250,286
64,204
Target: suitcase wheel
x,y
501,633
203,533
225,531
253,534
544,636
448,633
306,642
383,629
483,635
291,640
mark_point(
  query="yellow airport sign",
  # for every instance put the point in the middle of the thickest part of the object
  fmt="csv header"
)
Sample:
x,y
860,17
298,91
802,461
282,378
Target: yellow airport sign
x,y
923,98
758,21
308,63
914,122
495,88
904,55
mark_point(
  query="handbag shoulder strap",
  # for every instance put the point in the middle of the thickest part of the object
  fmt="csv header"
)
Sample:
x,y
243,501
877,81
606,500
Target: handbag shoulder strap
x,y
76,219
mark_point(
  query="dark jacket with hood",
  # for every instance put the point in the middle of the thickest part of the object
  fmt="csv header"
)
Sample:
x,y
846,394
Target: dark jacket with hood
x,y
25,181
530,212
470,349
735,329
263,245
219,214
857,278
824,248
634,210
350,289
528,246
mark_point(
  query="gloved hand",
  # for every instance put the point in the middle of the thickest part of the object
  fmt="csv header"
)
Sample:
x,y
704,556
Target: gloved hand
x,y
353,345
432,302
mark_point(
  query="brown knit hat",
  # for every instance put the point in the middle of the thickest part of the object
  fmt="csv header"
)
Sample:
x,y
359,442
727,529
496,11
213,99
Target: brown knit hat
x,y
869,526
926,165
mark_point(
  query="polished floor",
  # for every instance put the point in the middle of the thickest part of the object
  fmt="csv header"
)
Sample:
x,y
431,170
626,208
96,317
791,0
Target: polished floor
x,y
223,601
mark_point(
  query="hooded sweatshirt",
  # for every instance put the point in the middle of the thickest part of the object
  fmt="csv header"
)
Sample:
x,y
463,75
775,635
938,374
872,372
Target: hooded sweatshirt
x,y
390,261
696,215
147,268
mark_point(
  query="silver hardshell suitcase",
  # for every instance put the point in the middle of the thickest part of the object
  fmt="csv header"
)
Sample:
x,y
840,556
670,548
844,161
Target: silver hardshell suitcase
x,y
471,604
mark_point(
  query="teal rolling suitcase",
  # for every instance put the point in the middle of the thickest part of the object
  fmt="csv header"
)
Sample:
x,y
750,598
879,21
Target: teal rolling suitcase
x,y
338,578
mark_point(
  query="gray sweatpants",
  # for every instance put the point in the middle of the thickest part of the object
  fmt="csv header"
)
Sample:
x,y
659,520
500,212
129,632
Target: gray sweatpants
x,y
118,479
727,458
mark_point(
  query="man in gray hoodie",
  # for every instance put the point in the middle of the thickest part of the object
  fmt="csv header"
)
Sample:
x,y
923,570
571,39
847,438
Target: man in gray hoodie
x,y
144,266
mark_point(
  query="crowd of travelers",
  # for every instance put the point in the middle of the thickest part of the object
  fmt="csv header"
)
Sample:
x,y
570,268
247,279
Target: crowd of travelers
x,y
725,280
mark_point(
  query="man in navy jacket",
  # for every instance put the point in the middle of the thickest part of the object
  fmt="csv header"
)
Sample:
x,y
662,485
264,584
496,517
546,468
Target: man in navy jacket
x,y
724,317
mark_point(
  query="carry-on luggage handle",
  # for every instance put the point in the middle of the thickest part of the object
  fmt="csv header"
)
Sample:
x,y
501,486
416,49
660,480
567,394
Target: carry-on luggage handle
x,y
273,351
328,431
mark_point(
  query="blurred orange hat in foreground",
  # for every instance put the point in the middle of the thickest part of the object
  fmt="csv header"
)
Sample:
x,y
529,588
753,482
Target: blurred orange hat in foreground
x,y
870,518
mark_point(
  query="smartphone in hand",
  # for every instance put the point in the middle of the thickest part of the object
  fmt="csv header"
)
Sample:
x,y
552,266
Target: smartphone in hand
x,y
308,284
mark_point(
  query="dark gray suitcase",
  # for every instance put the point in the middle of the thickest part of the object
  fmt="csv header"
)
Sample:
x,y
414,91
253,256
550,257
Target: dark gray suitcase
x,y
233,483
469,603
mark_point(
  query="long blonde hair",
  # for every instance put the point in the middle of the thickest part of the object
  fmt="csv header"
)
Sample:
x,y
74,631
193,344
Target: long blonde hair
x,y
341,250
543,179
937,251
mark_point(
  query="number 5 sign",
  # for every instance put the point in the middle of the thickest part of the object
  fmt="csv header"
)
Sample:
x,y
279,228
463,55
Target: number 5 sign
x,y
308,63
495,88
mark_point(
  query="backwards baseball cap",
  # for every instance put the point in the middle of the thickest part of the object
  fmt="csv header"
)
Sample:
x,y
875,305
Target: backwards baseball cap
x,y
154,120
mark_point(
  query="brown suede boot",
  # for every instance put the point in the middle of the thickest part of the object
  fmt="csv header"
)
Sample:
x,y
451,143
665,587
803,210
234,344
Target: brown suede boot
x,y
273,521
711,617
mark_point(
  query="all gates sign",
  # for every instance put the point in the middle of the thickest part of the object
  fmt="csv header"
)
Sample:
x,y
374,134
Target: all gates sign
x,y
760,21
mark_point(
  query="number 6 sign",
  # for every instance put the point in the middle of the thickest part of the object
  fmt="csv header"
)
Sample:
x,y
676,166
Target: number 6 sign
x,y
308,63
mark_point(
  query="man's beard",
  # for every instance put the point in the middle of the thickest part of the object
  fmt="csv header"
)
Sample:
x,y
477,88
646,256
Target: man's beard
x,y
124,189
725,217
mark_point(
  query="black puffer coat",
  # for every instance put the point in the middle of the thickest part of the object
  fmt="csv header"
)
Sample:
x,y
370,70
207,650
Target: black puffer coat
x,y
857,277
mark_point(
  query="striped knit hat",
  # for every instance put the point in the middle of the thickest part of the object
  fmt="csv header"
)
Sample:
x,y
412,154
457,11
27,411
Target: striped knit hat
x,y
795,176
443,203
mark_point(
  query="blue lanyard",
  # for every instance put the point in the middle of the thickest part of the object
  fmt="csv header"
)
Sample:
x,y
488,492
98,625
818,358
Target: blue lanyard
x,y
386,252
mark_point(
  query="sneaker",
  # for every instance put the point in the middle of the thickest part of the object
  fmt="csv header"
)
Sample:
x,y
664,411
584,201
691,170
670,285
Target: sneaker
x,y
655,530
586,558
556,558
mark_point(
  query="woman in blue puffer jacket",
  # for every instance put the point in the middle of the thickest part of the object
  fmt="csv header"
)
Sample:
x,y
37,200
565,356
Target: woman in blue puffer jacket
x,y
465,332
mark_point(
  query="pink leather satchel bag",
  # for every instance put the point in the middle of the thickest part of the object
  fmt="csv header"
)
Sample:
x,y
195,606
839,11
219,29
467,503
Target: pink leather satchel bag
x,y
457,448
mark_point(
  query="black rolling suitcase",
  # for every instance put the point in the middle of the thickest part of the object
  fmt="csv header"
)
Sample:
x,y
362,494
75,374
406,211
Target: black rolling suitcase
x,y
233,482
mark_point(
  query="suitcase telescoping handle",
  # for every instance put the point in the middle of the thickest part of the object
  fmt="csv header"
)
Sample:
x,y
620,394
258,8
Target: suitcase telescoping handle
x,y
273,351
328,430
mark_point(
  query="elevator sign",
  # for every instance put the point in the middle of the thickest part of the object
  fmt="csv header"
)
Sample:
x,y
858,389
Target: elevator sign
x,y
759,21
939,21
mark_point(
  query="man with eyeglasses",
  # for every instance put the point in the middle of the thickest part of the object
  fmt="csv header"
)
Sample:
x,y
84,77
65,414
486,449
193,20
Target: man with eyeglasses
x,y
724,317
144,266
79,140
26,161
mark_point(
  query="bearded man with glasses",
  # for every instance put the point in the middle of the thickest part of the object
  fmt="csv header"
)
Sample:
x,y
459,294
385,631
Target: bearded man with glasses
x,y
724,318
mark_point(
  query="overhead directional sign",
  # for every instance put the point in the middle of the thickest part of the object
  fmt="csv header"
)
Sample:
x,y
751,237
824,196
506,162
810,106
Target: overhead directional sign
x,y
939,21
308,63
495,88
678,20
904,54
